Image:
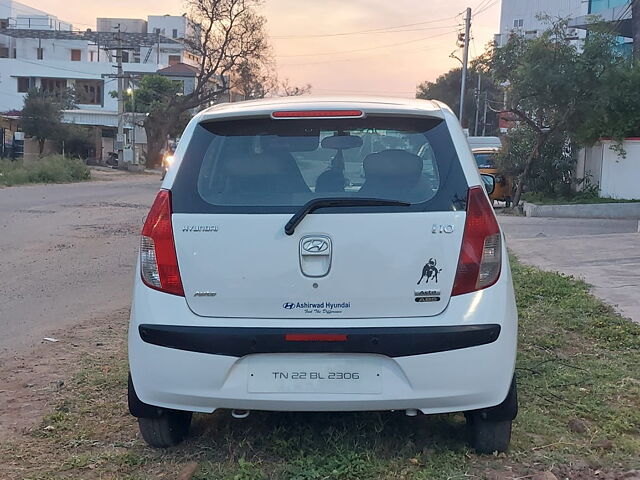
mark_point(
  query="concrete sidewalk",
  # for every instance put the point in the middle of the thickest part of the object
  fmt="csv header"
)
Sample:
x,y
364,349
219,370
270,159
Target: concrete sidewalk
x,y
604,253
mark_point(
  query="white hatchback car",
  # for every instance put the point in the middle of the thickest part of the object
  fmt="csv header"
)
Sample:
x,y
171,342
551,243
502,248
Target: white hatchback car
x,y
323,254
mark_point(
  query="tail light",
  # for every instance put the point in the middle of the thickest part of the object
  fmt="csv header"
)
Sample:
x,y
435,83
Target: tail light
x,y
481,253
158,260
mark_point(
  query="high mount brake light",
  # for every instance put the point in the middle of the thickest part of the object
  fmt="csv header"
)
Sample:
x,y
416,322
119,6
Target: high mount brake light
x,y
315,337
318,114
158,260
481,253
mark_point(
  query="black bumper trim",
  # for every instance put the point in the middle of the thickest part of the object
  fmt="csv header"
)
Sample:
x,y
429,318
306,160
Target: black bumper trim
x,y
389,341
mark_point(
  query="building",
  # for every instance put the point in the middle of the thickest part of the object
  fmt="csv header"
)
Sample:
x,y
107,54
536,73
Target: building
x,y
523,17
616,14
127,25
616,176
39,50
18,15
171,26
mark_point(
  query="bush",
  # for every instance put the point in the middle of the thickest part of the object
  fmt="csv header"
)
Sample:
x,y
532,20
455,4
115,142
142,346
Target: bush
x,y
52,169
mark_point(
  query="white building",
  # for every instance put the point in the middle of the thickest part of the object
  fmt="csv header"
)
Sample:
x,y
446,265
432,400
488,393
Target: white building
x,y
170,26
523,16
38,50
54,60
127,25
18,15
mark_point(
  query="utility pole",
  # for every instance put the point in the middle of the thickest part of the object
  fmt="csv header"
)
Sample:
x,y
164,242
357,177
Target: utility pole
x,y
635,28
478,90
484,121
465,62
120,77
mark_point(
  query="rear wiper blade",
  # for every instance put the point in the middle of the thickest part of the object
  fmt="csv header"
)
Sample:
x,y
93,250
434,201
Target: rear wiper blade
x,y
317,203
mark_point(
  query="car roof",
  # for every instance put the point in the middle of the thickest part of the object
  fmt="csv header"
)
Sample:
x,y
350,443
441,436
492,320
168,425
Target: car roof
x,y
478,143
368,104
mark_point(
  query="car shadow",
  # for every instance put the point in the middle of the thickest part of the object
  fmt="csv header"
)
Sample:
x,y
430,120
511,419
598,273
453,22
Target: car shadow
x,y
385,434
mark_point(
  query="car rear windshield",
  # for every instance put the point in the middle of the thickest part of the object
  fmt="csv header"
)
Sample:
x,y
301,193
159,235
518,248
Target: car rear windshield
x,y
266,165
485,160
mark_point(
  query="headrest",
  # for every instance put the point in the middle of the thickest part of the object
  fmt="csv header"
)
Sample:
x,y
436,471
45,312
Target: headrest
x,y
393,163
255,165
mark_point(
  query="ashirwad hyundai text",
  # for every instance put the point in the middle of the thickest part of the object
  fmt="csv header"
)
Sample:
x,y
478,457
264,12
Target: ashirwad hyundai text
x,y
323,254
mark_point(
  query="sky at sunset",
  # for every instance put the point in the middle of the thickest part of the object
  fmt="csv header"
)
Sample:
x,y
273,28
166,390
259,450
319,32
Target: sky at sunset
x,y
405,41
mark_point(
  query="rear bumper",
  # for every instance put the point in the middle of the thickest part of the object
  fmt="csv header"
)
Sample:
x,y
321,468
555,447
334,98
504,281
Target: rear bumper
x,y
461,379
388,341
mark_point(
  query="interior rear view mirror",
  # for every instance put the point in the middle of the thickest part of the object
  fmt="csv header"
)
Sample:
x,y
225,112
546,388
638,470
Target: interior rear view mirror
x,y
342,142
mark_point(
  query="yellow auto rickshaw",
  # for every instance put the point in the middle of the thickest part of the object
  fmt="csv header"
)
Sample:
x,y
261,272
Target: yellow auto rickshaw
x,y
485,149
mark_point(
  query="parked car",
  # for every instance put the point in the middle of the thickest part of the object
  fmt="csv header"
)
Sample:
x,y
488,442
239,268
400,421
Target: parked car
x,y
288,265
485,149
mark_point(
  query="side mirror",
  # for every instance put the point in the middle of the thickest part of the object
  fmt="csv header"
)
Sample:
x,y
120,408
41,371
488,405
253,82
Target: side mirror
x,y
489,183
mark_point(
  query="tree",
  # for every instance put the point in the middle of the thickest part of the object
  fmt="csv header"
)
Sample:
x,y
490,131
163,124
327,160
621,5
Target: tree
x,y
227,34
552,87
446,88
255,80
288,90
616,112
552,175
42,114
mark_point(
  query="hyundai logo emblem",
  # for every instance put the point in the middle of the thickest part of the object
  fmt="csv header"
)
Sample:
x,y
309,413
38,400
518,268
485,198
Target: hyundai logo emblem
x,y
315,245
289,305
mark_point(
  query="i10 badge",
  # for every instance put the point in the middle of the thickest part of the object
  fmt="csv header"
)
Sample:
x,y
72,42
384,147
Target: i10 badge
x,y
437,228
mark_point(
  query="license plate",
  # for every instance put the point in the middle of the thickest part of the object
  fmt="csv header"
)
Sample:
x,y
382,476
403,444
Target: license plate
x,y
313,376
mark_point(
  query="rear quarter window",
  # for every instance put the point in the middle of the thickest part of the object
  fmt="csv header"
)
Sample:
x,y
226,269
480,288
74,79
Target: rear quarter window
x,y
269,166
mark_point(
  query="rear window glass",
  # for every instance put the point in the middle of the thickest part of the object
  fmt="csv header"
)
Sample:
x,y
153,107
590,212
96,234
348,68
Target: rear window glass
x,y
283,164
485,160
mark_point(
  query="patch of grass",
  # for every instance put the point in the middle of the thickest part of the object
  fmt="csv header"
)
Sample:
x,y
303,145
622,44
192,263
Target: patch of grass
x,y
575,199
51,169
579,386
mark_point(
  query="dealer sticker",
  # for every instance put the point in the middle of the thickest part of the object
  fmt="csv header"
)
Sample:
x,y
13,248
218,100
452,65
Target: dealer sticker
x,y
318,308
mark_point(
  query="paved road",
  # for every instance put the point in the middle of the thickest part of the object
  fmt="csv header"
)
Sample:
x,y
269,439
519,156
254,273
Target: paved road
x,y
605,253
67,253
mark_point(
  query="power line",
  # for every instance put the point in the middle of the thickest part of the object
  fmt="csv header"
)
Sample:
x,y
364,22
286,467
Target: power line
x,y
40,63
363,33
486,7
359,32
348,59
480,5
366,49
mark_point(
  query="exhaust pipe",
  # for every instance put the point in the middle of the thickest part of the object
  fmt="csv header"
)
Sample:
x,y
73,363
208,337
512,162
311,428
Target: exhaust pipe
x,y
240,414
411,412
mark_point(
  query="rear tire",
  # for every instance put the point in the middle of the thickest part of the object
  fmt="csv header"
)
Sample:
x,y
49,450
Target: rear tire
x,y
489,436
166,430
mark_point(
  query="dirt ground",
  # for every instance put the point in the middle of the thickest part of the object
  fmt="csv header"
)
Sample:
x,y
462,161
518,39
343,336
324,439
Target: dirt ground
x,y
34,379
68,257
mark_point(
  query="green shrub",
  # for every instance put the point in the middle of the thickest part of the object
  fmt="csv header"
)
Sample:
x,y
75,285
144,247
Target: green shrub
x,y
51,169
